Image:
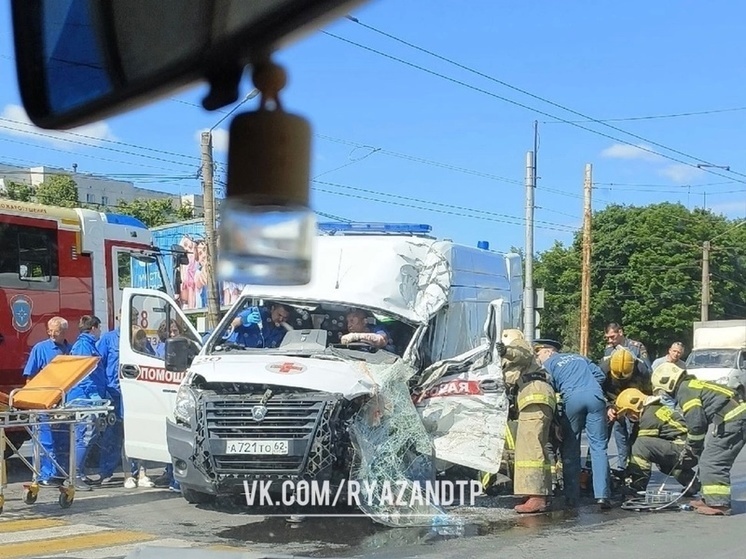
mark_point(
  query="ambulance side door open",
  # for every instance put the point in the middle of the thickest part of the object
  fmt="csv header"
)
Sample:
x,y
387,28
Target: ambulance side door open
x,y
148,390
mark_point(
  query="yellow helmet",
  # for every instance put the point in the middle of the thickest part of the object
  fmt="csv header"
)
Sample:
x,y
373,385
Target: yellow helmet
x,y
622,363
512,334
666,377
630,399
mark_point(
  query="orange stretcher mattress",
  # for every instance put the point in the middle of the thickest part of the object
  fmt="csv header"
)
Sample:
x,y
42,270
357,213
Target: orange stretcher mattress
x,y
62,373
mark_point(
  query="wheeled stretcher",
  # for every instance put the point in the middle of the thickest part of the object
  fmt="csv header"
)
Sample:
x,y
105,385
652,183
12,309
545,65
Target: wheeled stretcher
x,y
43,402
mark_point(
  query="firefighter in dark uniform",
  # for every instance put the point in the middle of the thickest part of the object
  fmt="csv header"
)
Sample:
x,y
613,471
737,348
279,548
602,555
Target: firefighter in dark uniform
x,y
659,436
623,370
705,404
535,403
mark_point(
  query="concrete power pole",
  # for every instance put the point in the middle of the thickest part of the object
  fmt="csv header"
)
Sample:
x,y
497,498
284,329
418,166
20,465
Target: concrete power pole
x,y
585,292
213,300
529,311
705,299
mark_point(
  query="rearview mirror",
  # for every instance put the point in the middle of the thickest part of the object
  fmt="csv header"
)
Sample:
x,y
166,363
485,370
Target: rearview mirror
x,y
79,61
179,353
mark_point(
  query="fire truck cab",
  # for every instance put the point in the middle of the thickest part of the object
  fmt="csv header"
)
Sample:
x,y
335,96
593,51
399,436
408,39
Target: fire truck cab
x,y
67,262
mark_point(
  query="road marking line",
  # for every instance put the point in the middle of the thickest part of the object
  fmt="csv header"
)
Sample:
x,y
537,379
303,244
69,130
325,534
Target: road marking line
x,y
7,526
50,533
120,550
63,545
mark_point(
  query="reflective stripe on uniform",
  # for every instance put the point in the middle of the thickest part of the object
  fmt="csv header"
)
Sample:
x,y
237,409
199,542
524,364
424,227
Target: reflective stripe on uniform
x,y
648,432
536,399
699,385
716,490
692,437
509,442
735,412
533,464
641,462
694,402
666,416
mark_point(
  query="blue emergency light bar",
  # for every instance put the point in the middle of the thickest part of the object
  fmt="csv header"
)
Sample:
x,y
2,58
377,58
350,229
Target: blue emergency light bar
x,y
362,227
121,219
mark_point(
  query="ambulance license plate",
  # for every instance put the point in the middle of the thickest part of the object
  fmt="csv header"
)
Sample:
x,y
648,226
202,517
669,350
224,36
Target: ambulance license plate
x,y
260,446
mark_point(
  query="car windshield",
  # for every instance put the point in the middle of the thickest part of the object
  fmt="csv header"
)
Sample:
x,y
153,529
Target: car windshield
x,y
305,327
712,359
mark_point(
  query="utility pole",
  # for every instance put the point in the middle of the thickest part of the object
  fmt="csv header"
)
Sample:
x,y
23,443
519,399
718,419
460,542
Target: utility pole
x,y
585,284
529,311
213,300
705,299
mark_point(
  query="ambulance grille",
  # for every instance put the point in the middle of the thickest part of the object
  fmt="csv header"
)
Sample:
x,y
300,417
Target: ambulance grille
x,y
302,420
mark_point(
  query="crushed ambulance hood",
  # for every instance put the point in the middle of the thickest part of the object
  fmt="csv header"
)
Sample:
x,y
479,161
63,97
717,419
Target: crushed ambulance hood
x,y
309,373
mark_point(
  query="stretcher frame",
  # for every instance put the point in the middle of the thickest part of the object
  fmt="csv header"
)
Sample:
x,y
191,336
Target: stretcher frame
x,y
71,414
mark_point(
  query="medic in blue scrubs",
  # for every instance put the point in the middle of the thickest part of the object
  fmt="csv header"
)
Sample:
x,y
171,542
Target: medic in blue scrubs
x,y
91,387
260,328
54,441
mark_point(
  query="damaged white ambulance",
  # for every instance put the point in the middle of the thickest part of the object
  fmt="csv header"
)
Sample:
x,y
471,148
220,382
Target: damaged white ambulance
x,y
312,408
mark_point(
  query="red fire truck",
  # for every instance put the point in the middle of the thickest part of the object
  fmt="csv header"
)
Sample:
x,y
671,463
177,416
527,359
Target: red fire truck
x,y
65,262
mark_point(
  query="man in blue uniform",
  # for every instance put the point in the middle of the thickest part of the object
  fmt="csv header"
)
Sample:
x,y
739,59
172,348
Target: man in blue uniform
x,y
615,338
578,382
91,387
54,441
255,327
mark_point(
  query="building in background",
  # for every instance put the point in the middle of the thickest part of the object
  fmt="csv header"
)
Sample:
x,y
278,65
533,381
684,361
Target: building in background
x,y
96,189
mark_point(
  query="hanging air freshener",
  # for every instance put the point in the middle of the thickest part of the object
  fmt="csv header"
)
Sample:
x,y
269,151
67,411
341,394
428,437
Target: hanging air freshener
x,y
267,229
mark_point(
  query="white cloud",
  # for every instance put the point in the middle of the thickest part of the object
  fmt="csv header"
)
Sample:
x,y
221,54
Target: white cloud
x,y
626,151
680,173
15,121
219,139
732,210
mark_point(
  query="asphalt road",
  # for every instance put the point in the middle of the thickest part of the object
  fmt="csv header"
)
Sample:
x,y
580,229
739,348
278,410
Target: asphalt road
x,y
112,522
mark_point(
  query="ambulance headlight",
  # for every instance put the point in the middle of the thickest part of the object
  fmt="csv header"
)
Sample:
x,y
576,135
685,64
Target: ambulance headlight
x,y
184,408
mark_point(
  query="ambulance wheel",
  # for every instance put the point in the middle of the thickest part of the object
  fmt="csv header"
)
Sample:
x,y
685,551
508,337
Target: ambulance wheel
x,y
65,500
195,497
29,497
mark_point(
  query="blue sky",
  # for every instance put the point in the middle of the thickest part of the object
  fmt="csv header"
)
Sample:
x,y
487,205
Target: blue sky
x,y
395,143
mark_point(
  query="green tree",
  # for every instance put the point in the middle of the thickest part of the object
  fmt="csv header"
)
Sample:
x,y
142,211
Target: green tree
x,y
58,190
645,274
19,191
155,211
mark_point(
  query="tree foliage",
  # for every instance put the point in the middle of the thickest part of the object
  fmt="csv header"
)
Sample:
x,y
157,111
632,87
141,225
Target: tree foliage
x,y
58,190
645,274
155,211
19,191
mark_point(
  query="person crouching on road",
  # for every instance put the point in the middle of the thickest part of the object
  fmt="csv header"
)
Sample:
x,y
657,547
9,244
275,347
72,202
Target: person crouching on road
x,y
91,387
705,404
578,382
535,403
623,370
659,436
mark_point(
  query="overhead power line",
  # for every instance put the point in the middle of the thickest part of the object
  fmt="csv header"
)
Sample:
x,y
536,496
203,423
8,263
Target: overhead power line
x,y
525,92
439,206
653,117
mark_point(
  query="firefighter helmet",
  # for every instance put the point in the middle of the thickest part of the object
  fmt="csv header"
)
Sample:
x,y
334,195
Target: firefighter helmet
x,y
666,377
622,363
630,400
511,335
